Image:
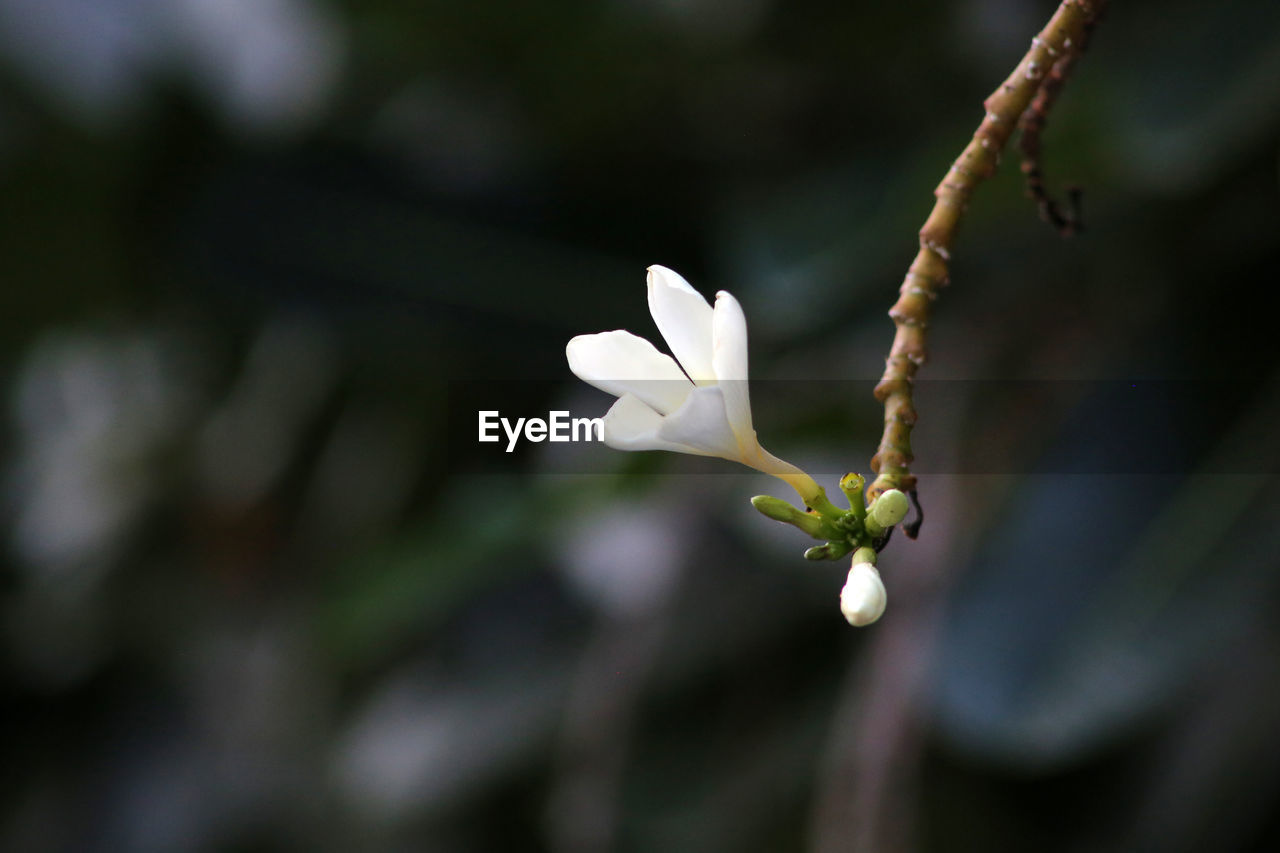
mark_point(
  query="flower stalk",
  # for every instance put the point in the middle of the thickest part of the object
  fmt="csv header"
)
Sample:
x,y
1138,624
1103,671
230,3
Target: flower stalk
x,y
1061,38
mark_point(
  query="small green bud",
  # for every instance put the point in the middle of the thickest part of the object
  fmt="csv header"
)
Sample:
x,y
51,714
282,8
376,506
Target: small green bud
x,y
780,510
849,527
775,508
890,508
830,551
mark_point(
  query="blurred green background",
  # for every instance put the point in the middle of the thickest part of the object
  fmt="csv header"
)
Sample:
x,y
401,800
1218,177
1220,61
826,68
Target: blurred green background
x,y
264,591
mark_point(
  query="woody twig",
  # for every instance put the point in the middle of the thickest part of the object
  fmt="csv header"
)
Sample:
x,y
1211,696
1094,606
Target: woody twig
x,y
1066,220
1061,38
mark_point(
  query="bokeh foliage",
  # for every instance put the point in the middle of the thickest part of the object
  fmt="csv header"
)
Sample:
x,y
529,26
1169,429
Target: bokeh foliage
x,y
265,591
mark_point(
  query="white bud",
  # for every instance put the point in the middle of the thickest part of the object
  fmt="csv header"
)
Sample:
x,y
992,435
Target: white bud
x,y
863,598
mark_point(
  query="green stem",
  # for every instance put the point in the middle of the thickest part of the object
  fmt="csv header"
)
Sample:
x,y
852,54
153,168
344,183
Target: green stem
x,y
819,502
852,486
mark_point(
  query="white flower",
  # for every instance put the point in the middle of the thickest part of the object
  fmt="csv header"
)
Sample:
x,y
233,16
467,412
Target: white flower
x,y
863,598
700,405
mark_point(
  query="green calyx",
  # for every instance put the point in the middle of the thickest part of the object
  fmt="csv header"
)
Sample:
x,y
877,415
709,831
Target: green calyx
x,y
858,527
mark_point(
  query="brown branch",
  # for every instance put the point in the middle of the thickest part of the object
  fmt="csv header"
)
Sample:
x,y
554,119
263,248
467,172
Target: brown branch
x,y
929,271
1070,221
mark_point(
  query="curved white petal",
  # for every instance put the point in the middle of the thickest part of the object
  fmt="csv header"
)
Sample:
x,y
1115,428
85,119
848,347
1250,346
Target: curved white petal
x,y
632,425
701,424
619,363
729,360
684,318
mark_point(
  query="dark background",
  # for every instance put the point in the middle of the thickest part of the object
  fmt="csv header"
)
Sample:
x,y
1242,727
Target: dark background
x,y
263,590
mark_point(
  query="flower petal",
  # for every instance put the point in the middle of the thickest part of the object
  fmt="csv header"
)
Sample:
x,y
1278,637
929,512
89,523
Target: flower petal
x,y
701,424
619,363
632,425
684,318
729,360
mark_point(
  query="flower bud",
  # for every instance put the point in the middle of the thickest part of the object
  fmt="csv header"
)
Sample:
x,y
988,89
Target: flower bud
x,y
780,510
889,508
830,551
863,598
